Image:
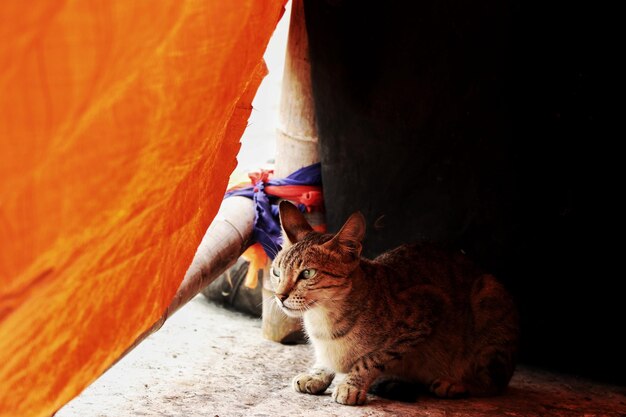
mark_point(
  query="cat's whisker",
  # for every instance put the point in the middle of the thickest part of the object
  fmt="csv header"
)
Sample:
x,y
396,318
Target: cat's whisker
x,y
275,246
274,306
273,250
265,300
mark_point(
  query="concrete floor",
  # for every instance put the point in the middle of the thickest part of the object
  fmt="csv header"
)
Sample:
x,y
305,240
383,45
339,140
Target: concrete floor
x,y
208,361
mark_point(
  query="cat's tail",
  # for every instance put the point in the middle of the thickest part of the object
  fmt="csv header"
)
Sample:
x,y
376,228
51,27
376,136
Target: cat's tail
x,y
490,372
496,330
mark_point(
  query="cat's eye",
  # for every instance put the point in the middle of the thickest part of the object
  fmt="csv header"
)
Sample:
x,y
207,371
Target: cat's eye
x,y
308,273
275,272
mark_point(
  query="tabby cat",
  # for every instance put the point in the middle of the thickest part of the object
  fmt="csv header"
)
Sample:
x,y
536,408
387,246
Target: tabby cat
x,y
415,313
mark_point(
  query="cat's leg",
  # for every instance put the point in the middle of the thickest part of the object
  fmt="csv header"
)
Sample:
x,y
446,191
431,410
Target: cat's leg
x,y
353,389
417,327
448,388
315,381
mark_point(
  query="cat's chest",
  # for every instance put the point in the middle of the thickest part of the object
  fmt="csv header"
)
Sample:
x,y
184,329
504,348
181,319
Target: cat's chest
x,y
319,326
332,349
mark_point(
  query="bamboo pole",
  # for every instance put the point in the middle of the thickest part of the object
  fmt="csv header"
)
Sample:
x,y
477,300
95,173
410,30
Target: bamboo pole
x,y
296,147
296,139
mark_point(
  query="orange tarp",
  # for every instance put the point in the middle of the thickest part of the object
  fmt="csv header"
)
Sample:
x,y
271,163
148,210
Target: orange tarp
x,y
119,126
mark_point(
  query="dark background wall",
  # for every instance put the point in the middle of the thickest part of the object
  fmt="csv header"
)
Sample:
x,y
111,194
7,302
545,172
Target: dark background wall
x,y
480,124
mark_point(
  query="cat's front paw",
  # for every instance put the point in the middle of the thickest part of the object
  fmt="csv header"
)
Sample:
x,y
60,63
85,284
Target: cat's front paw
x,y
310,384
349,394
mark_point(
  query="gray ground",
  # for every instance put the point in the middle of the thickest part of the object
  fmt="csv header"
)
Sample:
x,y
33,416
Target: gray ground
x,y
208,361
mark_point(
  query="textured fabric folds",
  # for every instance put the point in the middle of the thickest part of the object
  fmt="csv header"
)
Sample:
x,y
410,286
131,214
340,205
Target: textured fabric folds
x,y
119,126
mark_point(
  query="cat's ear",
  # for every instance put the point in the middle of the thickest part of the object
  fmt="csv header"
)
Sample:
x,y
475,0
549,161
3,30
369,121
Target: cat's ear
x,y
349,238
294,225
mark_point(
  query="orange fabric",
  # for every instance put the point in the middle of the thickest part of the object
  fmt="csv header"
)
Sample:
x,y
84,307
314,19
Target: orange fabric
x,y
119,126
258,260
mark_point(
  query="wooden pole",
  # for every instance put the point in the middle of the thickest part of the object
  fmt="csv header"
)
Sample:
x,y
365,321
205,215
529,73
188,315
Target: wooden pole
x,y
296,139
224,241
296,147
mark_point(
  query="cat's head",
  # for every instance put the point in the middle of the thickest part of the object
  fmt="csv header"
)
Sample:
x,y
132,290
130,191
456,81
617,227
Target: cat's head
x,y
314,269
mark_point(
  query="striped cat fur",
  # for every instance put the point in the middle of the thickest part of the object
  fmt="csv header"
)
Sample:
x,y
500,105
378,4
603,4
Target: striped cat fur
x,y
417,313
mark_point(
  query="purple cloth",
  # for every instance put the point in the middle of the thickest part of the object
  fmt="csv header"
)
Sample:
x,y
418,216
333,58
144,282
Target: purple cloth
x,y
267,229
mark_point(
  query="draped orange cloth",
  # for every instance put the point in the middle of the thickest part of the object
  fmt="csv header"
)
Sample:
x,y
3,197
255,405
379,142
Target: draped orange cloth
x,y
119,126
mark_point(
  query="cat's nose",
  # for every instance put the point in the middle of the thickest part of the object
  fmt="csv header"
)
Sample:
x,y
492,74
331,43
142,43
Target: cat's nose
x,y
282,297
